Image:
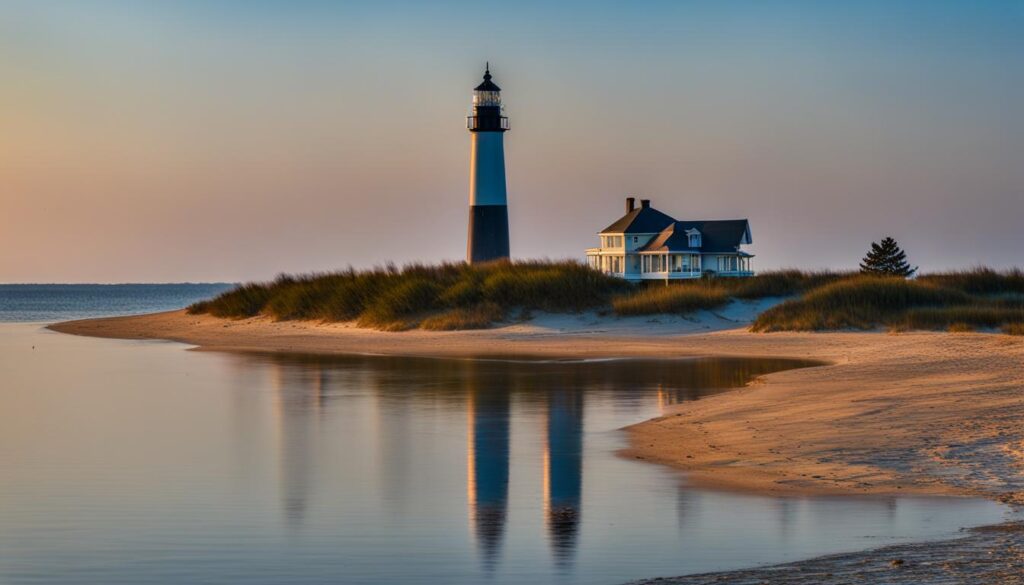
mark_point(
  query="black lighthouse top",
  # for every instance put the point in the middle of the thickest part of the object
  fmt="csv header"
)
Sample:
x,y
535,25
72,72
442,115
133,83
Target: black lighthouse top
x,y
487,109
487,85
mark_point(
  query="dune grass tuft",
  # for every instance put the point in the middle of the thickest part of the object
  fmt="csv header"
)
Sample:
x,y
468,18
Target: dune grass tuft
x,y
479,316
671,299
980,281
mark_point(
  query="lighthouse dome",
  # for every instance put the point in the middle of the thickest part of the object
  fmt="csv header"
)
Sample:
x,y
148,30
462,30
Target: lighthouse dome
x,y
487,85
487,93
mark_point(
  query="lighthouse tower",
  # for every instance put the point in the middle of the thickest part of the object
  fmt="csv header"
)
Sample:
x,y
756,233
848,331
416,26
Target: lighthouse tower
x,y
488,207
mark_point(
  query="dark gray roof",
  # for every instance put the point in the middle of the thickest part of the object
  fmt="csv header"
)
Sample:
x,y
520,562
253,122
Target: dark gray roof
x,y
716,236
487,85
642,220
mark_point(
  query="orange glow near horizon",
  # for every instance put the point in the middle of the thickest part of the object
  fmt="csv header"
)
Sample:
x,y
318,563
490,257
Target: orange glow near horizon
x,y
187,142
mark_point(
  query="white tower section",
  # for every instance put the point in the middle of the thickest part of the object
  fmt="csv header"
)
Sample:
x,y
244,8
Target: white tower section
x,y
487,169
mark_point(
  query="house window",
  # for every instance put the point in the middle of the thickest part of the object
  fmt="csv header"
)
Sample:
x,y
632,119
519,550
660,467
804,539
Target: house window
x,y
635,239
695,240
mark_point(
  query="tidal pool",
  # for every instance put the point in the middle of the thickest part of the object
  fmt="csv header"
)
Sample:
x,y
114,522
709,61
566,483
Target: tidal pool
x,y
141,462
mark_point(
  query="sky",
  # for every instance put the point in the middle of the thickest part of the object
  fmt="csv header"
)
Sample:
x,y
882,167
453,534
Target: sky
x,y
229,140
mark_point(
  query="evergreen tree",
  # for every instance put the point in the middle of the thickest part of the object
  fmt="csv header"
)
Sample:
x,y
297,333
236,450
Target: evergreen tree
x,y
886,259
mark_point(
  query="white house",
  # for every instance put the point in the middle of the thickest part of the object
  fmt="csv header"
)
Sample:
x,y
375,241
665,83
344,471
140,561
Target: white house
x,y
647,244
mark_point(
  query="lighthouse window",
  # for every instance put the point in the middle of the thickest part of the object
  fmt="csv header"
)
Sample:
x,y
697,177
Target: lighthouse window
x,y
487,98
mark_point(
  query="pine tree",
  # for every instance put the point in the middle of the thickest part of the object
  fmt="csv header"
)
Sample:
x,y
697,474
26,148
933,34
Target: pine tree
x,y
886,259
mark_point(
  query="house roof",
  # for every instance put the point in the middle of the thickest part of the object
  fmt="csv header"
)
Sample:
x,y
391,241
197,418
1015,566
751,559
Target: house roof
x,y
716,236
642,220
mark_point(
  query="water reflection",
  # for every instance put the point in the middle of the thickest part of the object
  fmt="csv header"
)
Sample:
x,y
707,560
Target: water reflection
x,y
357,470
299,402
563,470
485,390
489,421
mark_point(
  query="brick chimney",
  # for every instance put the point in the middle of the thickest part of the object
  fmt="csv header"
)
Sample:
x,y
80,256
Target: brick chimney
x,y
630,204
645,203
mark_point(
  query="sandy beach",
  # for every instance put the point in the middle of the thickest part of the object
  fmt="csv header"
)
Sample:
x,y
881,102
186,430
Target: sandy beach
x,y
922,412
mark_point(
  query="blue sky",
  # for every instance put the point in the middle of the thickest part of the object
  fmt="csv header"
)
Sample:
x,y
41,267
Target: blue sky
x,y
194,140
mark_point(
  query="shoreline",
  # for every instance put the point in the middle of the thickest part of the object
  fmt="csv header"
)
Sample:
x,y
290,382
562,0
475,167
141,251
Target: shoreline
x,y
921,413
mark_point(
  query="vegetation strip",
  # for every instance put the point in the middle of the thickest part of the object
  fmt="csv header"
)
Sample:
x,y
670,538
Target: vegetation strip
x,y
460,296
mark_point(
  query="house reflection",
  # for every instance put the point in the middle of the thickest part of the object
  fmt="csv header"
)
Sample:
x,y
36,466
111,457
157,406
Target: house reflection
x,y
563,470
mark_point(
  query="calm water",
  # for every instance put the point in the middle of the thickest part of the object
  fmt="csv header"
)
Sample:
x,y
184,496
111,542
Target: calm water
x,y
141,462
61,302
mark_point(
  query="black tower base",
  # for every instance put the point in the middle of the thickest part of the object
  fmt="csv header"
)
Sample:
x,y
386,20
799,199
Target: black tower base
x,y
488,233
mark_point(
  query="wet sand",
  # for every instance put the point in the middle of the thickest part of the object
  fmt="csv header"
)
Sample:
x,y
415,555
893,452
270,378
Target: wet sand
x,y
989,555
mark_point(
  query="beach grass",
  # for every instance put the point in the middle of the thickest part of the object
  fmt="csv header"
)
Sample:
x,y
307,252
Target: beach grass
x,y
479,316
960,301
670,299
443,296
454,296
459,296
687,296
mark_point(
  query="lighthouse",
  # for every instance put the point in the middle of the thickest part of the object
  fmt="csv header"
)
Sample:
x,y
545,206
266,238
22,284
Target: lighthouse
x,y
488,206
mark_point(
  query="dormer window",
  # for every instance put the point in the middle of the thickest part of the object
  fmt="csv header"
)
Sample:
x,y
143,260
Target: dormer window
x,y
694,238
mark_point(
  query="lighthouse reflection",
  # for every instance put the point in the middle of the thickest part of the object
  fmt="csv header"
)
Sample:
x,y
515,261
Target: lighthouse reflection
x,y
522,426
489,419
